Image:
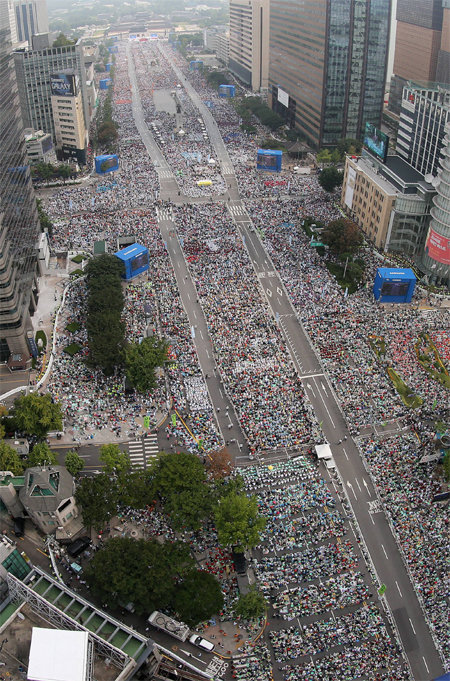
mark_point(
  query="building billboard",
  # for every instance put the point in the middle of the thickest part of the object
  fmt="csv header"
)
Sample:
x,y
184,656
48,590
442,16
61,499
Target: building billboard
x,y
438,247
283,97
376,142
63,84
269,159
106,163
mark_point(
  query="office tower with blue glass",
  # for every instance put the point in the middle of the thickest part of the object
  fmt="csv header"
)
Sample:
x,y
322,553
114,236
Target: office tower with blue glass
x,y
328,62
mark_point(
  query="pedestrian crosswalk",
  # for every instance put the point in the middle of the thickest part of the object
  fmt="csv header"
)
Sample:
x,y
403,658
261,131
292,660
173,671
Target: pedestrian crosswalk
x,y
143,451
227,169
164,214
165,174
238,210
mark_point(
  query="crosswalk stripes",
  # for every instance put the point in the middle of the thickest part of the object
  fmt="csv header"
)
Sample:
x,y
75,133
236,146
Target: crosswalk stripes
x,y
164,214
143,451
227,169
238,210
165,174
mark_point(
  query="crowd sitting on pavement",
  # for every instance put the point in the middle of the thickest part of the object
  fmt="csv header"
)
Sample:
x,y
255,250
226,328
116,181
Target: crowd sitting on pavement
x,y
256,371
258,377
182,138
340,326
407,488
321,578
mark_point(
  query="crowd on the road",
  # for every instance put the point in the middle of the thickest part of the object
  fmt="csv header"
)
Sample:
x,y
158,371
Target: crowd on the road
x,y
90,400
320,635
255,367
376,658
320,579
339,326
181,136
304,536
408,489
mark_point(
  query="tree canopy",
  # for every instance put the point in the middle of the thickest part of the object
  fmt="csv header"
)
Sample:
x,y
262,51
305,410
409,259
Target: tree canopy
x,y
41,455
238,523
198,597
63,41
97,497
180,481
141,360
330,178
36,414
251,605
143,572
9,459
114,460
219,464
73,462
342,236
106,330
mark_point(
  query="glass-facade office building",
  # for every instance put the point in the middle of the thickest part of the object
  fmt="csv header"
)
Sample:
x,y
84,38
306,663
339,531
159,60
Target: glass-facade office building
x,y
328,63
19,226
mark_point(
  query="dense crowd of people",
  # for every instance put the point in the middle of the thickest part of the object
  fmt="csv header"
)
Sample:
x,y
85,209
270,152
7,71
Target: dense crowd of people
x,y
256,369
323,577
407,489
305,564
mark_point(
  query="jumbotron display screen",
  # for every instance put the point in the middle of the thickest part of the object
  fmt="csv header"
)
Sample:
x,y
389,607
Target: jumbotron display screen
x,y
376,142
395,288
139,261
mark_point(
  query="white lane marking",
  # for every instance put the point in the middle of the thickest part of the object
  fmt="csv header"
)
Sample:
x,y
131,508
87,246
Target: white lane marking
x,y
346,455
398,589
412,625
425,663
357,484
349,484
384,551
324,404
367,487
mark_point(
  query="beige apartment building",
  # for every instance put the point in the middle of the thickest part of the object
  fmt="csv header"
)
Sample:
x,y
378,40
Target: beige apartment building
x,y
370,199
249,42
68,118
390,202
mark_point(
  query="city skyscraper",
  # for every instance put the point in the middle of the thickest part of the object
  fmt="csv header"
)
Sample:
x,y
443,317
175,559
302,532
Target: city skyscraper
x,y
328,62
424,115
422,46
31,18
249,42
19,224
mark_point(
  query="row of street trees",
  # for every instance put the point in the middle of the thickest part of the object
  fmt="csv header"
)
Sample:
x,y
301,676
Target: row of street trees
x,y
105,328
106,331
178,484
48,171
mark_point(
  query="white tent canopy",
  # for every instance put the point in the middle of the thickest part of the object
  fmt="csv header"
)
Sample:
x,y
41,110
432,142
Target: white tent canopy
x,y
58,655
323,452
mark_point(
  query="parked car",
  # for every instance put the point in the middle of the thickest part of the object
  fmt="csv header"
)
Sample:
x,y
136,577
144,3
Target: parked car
x,y
78,546
200,642
19,527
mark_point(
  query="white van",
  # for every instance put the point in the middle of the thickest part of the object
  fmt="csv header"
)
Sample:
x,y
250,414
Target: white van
x,y
200,642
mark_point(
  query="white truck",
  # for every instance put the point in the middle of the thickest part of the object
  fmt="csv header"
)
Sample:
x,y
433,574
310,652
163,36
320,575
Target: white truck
x,y
177,629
